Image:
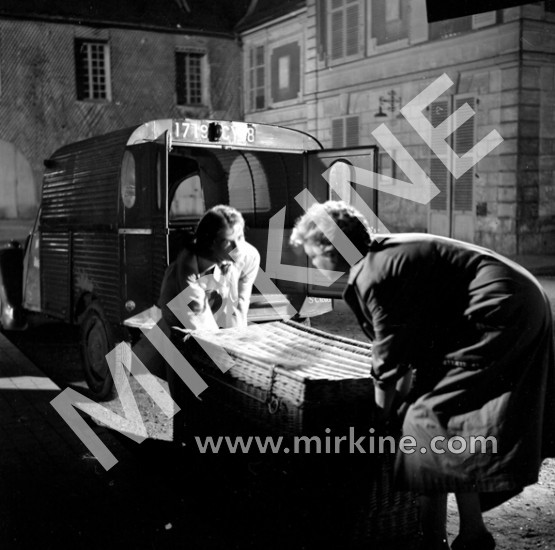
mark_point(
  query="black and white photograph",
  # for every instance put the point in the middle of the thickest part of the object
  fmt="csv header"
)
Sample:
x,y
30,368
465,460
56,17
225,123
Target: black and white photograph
x,y
277,275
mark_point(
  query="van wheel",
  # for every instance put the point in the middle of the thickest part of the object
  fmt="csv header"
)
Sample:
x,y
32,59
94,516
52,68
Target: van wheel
x,y
97,339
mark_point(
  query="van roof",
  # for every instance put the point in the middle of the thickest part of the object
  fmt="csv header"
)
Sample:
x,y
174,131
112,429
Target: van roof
x,y
199,133
227,134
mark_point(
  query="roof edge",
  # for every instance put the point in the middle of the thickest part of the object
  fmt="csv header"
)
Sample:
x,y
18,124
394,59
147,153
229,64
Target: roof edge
x,y
117,24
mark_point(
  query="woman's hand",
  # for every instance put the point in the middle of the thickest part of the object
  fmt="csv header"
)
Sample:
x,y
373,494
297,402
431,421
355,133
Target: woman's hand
x,y
384,397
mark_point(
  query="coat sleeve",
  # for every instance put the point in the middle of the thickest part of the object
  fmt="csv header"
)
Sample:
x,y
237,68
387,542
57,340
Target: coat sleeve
x,y
189,302
245,284
394,321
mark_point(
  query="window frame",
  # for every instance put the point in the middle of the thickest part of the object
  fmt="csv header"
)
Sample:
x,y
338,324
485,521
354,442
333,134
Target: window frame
x,y
329,36
86,78
180,219
188,55
399,27
295,64
252,84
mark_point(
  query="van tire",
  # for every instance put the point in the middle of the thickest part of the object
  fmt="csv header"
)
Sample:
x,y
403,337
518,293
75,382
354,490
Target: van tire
x,y
96,340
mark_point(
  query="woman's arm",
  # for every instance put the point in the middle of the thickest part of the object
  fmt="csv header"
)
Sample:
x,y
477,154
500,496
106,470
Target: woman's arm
x,y
245,284
384,397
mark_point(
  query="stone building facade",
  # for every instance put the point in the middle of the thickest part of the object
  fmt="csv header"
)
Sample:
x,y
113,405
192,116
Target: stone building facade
x,y
329,67
68,73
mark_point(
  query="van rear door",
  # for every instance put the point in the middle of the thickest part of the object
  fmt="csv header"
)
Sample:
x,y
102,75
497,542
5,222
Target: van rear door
x,y
143,227
349,175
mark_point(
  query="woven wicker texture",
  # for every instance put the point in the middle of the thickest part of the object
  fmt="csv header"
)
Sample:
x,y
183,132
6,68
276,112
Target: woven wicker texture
x,y
295,363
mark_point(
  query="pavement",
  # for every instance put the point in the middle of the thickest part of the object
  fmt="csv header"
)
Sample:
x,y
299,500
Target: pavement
x,y
54,494
44,468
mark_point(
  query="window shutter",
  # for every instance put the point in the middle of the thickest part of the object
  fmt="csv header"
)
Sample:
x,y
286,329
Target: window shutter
x,y
352,29
464,141
322,28
378,20
337,126
337,35
438,172
351,131
345,132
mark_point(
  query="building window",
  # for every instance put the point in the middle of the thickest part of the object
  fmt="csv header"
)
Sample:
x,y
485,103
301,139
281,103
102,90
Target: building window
x,y
188,77
257,78
286,74
450,27
345,132
455,200
92,64
389,20
343,35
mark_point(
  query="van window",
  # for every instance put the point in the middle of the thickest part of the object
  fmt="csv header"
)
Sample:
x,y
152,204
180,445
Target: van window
x,y
188,199
248,185
341,175
127,180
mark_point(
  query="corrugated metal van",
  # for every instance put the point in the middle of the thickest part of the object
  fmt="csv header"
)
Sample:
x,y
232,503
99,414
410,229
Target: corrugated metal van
x,y
117,208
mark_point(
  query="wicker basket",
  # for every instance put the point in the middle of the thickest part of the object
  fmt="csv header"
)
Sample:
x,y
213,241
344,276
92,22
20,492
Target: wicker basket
x,y
284,376
288,379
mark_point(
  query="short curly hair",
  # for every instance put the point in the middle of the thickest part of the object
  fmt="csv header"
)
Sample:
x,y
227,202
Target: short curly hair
x,y
347,218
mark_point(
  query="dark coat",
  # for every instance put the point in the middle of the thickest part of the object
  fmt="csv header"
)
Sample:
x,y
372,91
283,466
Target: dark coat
x,y
476,329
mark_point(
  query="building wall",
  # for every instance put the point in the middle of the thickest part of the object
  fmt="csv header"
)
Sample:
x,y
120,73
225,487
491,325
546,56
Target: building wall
x,y
535,200
503,63
291,30
38,105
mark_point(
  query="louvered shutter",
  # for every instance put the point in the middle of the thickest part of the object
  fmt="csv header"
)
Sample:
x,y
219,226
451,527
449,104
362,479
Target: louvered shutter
x,y
438,172
251,84
337,131
260,78
351,131
322,28
352,20
464,141
337,35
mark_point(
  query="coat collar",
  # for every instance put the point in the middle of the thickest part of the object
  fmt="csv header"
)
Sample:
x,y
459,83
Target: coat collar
x,y
374,246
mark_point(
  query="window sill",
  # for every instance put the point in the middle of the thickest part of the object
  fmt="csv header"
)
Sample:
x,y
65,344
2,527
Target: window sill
x,y
377,49
95,101
343,60
191,106
286,102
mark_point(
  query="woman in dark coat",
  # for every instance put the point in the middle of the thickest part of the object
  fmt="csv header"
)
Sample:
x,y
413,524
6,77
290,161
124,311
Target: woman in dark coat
x,y
474,331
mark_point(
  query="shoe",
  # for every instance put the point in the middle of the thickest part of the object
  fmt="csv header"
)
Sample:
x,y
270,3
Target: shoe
x,y
483,542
